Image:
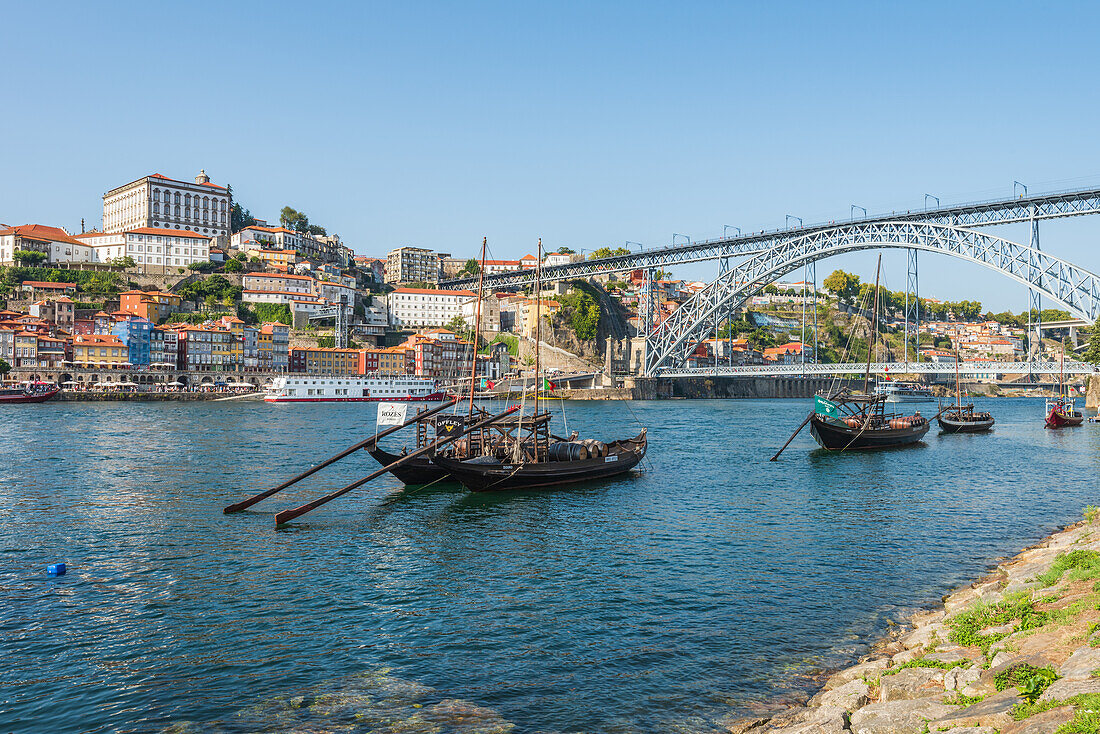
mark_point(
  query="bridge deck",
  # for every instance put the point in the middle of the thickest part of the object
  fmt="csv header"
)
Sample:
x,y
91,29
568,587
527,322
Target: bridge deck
x,y
967,369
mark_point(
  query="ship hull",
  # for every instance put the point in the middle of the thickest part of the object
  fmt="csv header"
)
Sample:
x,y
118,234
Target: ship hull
x,y
432,398
955,426
417,471
23,399
835,437
495,477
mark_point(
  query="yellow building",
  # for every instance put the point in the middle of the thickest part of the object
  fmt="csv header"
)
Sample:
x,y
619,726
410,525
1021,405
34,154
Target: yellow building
x,y
99,350
534,309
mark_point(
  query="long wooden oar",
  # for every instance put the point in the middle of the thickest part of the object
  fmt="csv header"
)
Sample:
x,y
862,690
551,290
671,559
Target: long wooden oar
x,y
245,504
796,432
288,515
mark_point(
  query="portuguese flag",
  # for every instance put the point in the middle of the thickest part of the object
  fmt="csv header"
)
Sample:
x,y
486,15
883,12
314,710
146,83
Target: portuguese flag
x,y
547,385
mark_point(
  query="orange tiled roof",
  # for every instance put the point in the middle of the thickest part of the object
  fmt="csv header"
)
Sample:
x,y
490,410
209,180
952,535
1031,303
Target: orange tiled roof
x,y
41,232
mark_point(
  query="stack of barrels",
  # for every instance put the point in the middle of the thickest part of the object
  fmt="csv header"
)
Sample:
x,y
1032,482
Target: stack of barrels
x,y
577,450
907,421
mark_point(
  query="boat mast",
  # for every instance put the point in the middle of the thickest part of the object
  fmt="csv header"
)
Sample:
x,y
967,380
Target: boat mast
x,y
477,324
538,320
958,387
874,328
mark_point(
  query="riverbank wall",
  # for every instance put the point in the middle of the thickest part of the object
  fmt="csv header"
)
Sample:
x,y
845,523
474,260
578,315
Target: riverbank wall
x,y
138,397
1016,652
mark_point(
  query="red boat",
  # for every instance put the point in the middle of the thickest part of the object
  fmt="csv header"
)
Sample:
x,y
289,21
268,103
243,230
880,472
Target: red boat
x,y
29,392
1061,413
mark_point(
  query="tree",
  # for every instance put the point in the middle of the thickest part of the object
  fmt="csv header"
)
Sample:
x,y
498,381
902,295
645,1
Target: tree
x,y
604,252
28,257
293,219
317,229
242,256
233,266
563,250
1092,353
240,218
842,285
5,368
770,289
124,262
470,268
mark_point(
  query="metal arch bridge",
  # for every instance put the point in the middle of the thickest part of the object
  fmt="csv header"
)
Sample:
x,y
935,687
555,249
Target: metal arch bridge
x,y
966,369
672,342
1053,205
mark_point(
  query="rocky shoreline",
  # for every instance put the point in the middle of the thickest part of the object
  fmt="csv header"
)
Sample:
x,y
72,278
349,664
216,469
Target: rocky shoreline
x,y
1016,652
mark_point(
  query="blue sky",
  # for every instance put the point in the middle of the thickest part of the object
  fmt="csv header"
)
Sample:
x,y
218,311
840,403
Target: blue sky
x,y
587,124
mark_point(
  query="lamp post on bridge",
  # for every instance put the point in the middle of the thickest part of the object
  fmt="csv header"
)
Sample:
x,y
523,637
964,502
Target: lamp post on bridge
x,y
677,234
727,227
852,211
789,217
929,196
1017,185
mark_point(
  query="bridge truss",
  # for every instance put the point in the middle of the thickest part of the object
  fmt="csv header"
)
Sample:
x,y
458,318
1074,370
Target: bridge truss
x,y
671,343
974,214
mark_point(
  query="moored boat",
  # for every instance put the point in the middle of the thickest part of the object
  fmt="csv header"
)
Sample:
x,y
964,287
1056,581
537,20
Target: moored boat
x,y
352,389
1062,413
490,473
904,392
851,421
29,392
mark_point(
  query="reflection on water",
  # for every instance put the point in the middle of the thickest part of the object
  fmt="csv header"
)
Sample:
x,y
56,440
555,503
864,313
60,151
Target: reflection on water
x,y
672,599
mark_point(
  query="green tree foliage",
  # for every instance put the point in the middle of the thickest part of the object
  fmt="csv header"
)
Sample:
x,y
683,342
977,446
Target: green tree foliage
x,y
770,289
459,326
291,218
843,285
5,368
1092,352
233,266
317,230
240,218
124,262
268,312
203,267
470,268
211,290
29,257
604,252
563,250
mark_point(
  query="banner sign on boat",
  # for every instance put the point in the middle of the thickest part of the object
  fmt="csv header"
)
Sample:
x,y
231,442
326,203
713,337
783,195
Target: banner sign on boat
x,y
825,407
450,426
391,414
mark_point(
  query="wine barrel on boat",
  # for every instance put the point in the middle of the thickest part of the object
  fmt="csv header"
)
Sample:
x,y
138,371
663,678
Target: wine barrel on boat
x,y
568,451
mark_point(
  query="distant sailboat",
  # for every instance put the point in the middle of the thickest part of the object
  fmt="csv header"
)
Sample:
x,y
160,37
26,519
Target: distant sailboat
x,y
962,418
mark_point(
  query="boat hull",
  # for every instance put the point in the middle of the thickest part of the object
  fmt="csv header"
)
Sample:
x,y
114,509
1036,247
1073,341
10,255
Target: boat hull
x,y
478,477
956,426
1057,419
843,438
420,470
25,398
435,397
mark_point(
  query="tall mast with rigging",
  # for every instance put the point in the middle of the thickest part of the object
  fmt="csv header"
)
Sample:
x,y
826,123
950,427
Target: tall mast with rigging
x,y
477,323
874,328
538,334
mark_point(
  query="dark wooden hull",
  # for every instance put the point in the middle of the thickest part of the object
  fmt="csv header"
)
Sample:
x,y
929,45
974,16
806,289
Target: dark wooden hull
x,y
493,477
951,425
418,471
843,438
1059,419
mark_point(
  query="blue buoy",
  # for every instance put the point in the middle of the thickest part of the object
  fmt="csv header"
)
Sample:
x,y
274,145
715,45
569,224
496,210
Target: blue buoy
x,y
55,569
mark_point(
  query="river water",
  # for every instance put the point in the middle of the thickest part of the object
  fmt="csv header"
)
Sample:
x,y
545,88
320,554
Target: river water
x,y
664,601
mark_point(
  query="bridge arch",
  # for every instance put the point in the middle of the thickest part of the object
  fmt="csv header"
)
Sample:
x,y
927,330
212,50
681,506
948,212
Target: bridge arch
x,y
672,342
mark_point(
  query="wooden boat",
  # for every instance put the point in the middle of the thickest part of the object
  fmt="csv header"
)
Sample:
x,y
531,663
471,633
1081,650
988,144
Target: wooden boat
x,y
420,470
965,420
851,421
1062,413
846,421
489,473
29,392
521,453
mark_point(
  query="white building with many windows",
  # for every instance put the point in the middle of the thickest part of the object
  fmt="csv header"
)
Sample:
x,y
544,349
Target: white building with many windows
x,y
154,249
412,265
426,307
54,242
160,202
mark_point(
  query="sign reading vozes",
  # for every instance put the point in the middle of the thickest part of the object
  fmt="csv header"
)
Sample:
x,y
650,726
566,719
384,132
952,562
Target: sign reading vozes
x,y
391,414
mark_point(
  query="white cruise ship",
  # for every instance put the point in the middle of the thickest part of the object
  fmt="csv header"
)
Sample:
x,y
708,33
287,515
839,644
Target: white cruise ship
x,y
904,392
334,389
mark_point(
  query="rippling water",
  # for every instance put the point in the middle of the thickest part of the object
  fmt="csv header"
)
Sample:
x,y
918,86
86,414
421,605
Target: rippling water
x,y
664,601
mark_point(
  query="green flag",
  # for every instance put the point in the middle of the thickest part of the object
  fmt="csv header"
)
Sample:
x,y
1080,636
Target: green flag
x,y
825,407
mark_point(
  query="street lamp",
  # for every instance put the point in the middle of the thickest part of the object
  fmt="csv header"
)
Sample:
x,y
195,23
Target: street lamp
x,y
787,221
676,234
726,227
639,244
929,196
1018,185
852,211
